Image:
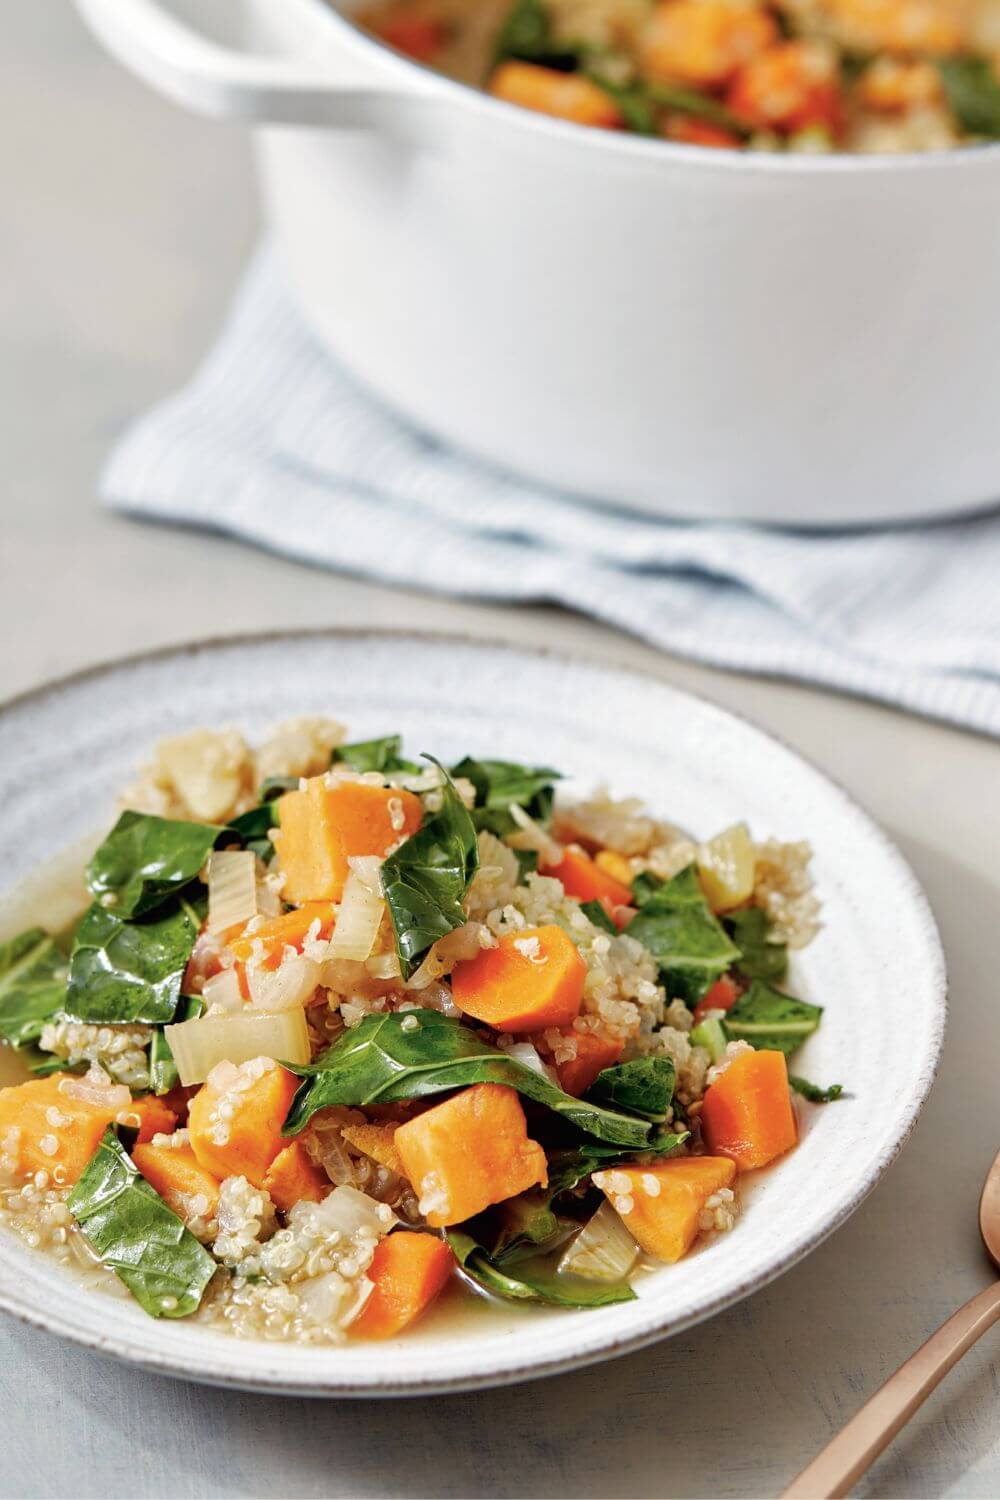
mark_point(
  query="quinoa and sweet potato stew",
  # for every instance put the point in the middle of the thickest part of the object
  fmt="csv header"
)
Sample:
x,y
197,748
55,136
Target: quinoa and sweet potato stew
x,y
339,1028
769,75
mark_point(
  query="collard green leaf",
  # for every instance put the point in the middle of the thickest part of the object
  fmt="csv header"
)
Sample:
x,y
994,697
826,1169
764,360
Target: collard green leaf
x,y
760,957
131,971
677,926
425,880
253,828
973,91
771,1020
637,110
570,1166
526,34
813,1092
137,1236
501,783
382,755
644,1086
699,106
33,974
274,787
533,1280
386,1059
144,860
595,911
163,1075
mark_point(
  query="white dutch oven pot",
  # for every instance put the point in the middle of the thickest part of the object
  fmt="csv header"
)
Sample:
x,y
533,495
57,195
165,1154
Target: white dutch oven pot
x,y
688,332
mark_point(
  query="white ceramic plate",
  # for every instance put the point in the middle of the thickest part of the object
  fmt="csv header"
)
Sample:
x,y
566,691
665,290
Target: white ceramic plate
x,y
877,965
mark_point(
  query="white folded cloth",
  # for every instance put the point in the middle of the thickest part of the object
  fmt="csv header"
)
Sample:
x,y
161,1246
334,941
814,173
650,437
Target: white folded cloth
x,y
274,443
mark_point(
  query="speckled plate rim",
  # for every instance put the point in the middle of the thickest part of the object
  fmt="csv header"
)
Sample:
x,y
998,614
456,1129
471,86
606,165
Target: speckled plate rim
x,y
139,1351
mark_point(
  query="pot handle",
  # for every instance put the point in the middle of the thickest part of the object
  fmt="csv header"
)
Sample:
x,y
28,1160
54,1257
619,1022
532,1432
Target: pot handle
x,y
219,81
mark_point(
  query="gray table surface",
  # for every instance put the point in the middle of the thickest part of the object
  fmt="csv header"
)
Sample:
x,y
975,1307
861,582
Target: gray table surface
x,y
123,225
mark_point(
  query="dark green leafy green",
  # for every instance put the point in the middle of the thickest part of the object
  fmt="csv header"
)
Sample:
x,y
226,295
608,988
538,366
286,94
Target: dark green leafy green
x,y
501,783
699,106
771,1020
33,974
813,1092
274,787
131,971
528,1220
137,1236
973,91
527,862
569,1166
644,1086
425,880
638,111
760,957
535,1280
144,860
677,926
253,828
527,35
386,1059
162,1069
375,755
595,911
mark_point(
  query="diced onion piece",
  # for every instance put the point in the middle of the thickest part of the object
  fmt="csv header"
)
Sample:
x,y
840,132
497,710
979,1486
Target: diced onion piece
x,y
103,1094
222,991
532,835
285,988
232,888
368,868
603,1250
348,1212
383,966
726,866
200,1045
528,1054
359,918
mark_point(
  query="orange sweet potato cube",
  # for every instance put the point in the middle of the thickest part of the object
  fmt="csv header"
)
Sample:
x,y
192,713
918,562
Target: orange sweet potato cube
x,y
293,1176
237,1133
182,1183
661,1205
469,1152
45,1128
321,827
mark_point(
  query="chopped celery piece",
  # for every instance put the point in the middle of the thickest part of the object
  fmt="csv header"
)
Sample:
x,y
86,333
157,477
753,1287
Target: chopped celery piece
x,y
710,1035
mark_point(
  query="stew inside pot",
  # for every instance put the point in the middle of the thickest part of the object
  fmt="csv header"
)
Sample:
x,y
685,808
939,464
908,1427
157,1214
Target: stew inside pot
x,y
764,75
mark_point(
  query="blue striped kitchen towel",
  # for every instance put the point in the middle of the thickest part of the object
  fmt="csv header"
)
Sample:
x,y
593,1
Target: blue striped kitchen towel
x,y
272,442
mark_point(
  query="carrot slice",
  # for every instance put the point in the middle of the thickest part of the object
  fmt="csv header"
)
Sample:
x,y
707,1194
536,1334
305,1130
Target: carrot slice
x,y
584,878
570,96
237,1133
179,1178
747,1114
292,1176
408,1271
532,979
321,827
469,1152
662,1205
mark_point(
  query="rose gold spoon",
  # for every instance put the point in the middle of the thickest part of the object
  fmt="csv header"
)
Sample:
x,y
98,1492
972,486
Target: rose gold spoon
x,y
835,1471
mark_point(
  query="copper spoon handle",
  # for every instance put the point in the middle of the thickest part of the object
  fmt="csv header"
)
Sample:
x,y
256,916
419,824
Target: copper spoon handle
x,y
856,1446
